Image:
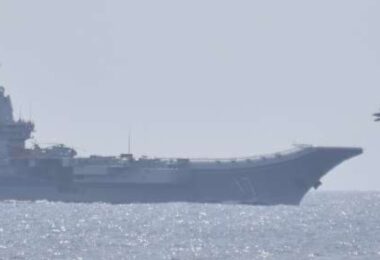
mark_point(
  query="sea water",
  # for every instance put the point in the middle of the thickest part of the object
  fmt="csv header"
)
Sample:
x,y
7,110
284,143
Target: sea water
x,y
328,225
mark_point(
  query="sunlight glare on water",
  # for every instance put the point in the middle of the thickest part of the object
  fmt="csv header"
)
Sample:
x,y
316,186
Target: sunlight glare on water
x,y
328,225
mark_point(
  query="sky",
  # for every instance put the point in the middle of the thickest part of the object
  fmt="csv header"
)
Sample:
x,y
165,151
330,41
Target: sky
x,y
211,78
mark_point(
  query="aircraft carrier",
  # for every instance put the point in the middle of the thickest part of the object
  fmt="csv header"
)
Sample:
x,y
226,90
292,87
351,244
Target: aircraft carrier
x,y
56,173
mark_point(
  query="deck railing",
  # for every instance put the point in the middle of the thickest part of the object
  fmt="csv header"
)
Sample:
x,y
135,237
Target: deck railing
x,y
295,150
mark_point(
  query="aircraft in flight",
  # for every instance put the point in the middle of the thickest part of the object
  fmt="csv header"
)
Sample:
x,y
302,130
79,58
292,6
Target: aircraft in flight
x,y
377,117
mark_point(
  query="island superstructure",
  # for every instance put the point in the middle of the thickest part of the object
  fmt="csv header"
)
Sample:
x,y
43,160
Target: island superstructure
x,y
56,173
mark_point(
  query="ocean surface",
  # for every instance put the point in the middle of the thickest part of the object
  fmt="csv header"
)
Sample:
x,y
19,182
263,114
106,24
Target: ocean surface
x,y
328,225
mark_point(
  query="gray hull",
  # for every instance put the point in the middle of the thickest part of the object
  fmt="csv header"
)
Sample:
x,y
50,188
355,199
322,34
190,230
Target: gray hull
x,y
277,181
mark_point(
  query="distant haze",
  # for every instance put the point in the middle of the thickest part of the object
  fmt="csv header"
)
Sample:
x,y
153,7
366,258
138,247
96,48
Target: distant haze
x,y
198,78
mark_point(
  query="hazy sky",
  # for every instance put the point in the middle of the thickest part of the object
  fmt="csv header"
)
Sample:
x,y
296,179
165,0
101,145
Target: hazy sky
x,y
198,78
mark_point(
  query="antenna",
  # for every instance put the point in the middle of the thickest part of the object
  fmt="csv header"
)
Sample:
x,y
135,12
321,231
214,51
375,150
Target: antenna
x,y
1,87
30,111
129,142
20,114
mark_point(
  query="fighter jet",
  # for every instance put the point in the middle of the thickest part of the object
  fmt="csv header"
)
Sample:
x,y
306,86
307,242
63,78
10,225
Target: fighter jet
x,y
377,117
